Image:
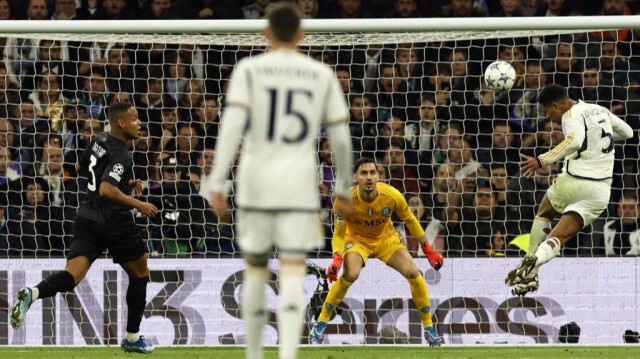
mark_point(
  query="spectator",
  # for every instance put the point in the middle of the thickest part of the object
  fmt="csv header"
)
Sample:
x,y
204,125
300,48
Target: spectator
x,y
421,136
120,76
417,206
6,10
187,145
617,69
9,170
524,196
208,9
179,74
166,139
362,125
404,9
9,92
478,223
567,68
158,9
29,128
37,10
347,82
351,9
309,8
463,8
499,179
64,10
502,149
463,85
48,95
34,224
460,157
509,8
151,101
594,88
50,167
622,235
188,100
206,163
95,94
524,112
448,134
553,8
407,62
614,8
52,57
113,10
257,10
403,176
7,138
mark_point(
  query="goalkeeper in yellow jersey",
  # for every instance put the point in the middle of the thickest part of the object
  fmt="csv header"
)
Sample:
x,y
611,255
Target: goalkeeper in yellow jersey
x,y
369,232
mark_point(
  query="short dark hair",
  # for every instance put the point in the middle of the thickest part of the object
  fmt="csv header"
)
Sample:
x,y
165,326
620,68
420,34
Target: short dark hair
x,y
361,161
552,93
117,109
284,21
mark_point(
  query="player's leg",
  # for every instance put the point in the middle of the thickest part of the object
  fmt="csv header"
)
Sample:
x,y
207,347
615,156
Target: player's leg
x,y
353,263
402,262
255,237
83,249
136,298
124,242
541,226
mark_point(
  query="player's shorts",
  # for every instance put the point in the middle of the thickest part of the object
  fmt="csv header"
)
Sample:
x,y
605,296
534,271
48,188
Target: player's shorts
x,y
119,235
290,232
382,249
586,197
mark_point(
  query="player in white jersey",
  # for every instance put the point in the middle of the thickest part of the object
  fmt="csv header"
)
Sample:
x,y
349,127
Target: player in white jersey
x,y
280,100
581,192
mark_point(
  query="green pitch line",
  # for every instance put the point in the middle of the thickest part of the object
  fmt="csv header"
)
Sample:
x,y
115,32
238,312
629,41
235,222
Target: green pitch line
x,y
350,352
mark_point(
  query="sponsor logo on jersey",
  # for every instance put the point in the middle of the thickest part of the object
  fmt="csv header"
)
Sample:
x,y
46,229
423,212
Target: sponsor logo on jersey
x,y
349,245
386,211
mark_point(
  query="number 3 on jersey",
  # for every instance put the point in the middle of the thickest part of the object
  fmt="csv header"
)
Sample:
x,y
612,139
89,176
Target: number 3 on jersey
x,y
290,110
92,184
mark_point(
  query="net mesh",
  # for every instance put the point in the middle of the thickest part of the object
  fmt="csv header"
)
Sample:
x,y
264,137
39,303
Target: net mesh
x,y
418,104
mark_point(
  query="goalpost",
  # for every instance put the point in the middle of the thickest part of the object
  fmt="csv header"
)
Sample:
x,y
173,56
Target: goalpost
x,y
398,74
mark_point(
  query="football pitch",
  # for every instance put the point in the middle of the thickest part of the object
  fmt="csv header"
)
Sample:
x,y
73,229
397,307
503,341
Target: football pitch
x,y
337,352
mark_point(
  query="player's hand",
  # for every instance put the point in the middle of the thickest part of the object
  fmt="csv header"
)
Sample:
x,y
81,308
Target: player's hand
x,y
435,258
147,209
529,166
220,206
334,268
343,205
136,186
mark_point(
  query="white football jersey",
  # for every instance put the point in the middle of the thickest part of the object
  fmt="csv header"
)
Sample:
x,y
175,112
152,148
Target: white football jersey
x,y
287,97
588,148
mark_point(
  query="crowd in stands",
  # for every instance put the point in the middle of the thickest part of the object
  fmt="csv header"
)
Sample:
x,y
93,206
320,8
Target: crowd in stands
x,y
439,135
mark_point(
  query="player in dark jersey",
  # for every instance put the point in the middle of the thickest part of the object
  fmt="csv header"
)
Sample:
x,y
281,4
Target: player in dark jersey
x,y
104,221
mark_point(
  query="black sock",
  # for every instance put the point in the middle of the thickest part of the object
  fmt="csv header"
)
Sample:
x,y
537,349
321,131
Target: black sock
x,y
136,301
57,282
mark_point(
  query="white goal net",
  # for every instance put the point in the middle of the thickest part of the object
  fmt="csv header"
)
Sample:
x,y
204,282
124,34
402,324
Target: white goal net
x,y
418,106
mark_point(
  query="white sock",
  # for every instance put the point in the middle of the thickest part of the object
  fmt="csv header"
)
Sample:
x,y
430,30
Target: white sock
x,y
132,337
35,292
546,252
291,310
538,233
254,309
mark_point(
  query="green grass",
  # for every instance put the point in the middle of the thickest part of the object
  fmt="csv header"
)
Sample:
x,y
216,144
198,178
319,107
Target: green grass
x,y
351,352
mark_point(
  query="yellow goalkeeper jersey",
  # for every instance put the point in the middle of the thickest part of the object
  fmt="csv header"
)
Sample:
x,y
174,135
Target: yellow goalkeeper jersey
x,y
372,221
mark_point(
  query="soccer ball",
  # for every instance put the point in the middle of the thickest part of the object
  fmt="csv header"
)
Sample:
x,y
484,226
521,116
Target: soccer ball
x,y
500,76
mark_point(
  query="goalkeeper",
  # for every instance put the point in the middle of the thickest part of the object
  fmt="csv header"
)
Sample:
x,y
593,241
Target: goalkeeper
x,y
369,232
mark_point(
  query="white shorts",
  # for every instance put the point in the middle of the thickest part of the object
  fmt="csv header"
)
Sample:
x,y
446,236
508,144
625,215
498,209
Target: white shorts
x,y
292,232
586,197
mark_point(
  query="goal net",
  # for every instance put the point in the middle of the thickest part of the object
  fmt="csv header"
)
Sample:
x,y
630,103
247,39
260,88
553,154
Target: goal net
x,y
418,105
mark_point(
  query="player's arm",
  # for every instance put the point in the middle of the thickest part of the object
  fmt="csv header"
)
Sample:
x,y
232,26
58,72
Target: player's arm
x,y
109,187
337,243
416,230
336,122
233,121
621,130
573,127
83,162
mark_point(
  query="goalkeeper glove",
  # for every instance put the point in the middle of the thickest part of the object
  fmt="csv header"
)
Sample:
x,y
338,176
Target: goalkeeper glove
x,y
435,258
334,268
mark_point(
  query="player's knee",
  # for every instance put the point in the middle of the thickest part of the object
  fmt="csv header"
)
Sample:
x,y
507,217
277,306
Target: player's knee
x,y
351,275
